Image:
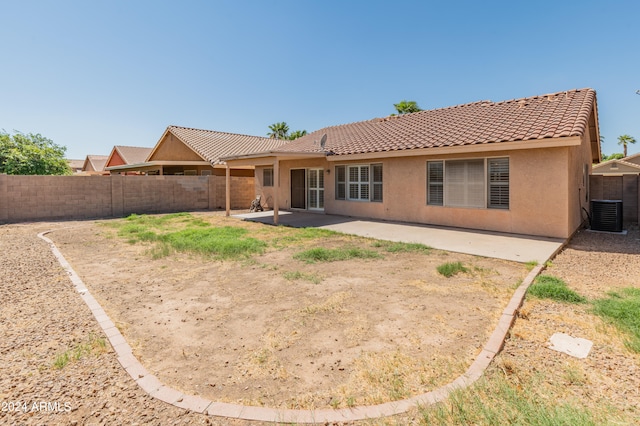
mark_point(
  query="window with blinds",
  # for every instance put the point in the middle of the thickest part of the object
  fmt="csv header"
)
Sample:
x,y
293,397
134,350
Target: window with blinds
x,y
476,183
498,172
359,183
435,183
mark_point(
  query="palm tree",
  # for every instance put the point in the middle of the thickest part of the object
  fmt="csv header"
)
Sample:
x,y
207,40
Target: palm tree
x,y
406,107
297,134
624,140
279,131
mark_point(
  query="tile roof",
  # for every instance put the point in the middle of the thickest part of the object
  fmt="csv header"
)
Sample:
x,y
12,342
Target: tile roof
x,y
555,115
212,145
133,154
75,164
622,161
96,161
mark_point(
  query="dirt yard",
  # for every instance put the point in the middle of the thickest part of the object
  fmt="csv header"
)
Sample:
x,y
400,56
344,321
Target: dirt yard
x,y
41,317
354,332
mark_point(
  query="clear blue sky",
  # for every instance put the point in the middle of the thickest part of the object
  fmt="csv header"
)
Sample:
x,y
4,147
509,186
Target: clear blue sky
x,y
93,74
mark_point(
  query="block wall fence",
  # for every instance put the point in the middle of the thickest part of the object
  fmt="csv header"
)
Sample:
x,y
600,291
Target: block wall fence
x,y
624,187
33,198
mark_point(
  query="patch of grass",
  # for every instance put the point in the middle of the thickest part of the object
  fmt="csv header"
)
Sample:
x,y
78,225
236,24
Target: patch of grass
x,y
622,308
137,232
550,287
224,242
531,264
297,275
93,345
496,401
398,247
321,254
185,233
450,269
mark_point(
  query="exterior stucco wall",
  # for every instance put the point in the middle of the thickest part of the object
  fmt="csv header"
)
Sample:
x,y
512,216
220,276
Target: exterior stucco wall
x,y
540,197
171,148
580,166
115,160
265,192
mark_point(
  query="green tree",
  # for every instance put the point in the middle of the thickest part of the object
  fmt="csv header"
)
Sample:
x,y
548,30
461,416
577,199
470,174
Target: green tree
x,y
297,134
407,107
279,131
29,154
625,140
614,156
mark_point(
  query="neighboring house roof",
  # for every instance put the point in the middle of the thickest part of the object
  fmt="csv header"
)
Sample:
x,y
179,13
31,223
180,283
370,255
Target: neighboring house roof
x,y
75,165
212,145
130,154
620,166
557,115
635,159
94,163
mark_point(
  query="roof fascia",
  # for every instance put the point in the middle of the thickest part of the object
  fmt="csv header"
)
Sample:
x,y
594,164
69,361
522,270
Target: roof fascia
x,y
114,149
159,163
153,151
463,149
594,112
187,145
268,157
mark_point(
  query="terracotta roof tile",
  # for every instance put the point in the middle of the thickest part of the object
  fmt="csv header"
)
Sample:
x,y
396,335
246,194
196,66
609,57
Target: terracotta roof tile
x,y
555,115
212,145
133,154
97,162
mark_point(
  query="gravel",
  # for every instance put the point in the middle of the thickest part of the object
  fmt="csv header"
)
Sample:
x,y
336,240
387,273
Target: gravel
x,y
41,317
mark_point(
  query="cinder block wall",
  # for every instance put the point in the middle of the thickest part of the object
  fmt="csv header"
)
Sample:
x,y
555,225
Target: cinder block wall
x,y
242,192
30,198
624,187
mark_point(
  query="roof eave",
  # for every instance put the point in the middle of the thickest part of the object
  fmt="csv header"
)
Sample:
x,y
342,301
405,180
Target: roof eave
x,y
462,149
289,155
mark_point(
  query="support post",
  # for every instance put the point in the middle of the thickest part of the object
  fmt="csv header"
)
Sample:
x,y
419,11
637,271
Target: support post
x,y
227,190
276,189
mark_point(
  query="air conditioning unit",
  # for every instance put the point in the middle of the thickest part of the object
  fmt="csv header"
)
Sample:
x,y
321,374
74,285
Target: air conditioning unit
x,y
606,215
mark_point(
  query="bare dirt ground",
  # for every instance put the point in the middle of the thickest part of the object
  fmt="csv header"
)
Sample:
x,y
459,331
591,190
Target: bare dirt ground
x,y
593,264
362,331
41,316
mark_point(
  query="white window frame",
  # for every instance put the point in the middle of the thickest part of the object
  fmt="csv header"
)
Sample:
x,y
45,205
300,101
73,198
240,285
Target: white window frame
x,y
487,184
361,186
367,186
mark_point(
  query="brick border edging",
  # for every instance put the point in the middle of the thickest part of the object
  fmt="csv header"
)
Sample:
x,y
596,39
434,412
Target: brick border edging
x,y
150,384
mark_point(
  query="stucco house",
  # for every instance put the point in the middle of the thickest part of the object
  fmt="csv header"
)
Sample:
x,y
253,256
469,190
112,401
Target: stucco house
x,y
186,151
94,165
196,152
518,166
122,155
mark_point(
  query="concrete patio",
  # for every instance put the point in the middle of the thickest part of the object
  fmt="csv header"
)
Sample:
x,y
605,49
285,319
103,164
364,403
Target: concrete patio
x,y
517,248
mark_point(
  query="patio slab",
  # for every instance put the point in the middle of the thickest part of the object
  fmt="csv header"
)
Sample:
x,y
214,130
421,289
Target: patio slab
x,y
514,247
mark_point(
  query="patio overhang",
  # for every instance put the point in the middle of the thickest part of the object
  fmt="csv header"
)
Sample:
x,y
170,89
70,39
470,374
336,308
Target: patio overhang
x,y
267,158
153,165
